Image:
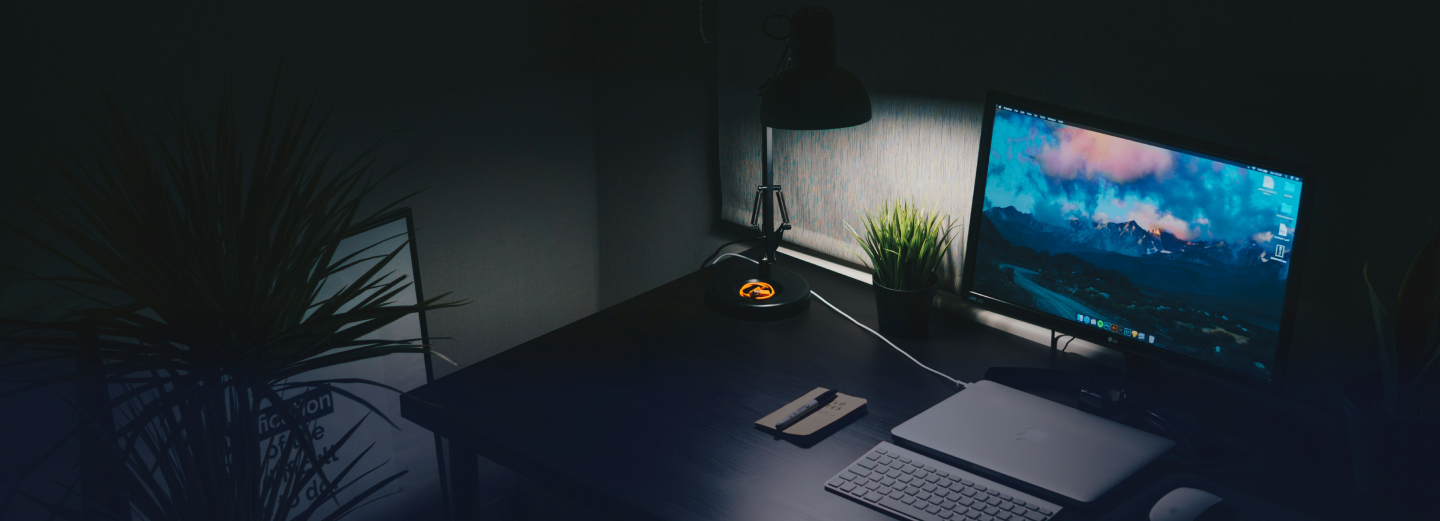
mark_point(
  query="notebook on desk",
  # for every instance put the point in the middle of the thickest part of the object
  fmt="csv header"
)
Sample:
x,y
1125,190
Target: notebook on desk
x,y
996,430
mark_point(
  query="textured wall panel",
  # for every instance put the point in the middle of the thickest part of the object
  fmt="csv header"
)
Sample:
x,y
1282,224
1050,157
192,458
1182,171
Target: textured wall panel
x,y
914,148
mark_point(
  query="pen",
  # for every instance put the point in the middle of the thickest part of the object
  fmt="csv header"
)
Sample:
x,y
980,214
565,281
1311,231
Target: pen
x,y
804,410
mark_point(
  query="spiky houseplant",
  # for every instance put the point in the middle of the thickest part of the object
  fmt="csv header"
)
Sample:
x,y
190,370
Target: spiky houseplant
x,y
202,260
1409,340
904,244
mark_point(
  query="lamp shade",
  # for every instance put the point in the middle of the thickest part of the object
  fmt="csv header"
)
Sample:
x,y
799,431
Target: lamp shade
x,y
814,93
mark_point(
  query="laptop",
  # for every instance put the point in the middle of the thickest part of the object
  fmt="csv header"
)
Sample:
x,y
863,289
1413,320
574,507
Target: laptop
x,y
991,428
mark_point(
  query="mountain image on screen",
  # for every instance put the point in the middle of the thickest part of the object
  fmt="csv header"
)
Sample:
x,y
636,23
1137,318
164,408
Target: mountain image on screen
x,y
1184,252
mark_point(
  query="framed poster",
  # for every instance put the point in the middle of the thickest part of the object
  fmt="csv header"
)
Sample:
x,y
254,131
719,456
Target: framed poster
x,y
422,492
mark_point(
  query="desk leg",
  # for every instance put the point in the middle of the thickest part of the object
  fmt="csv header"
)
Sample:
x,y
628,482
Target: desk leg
x,y
464,483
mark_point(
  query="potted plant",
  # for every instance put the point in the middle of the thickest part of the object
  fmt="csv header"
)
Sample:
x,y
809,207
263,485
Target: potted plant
x,y
904,245
201,263
1394,414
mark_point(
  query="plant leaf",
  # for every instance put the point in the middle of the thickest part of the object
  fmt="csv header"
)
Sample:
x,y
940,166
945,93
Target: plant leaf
x,y
1416,309
1389,375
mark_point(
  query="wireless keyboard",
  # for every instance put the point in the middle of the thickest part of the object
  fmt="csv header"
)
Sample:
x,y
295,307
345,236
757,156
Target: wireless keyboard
x,y
911,486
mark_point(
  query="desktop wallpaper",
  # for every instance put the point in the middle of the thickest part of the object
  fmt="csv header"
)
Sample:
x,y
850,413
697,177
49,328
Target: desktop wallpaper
x,y
1172,249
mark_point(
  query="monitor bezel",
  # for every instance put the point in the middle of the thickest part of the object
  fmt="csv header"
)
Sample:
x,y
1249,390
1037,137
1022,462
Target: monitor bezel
x,y
1299,240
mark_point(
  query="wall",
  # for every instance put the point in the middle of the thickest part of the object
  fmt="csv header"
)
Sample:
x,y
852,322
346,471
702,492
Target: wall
x,y
654,97
1344,87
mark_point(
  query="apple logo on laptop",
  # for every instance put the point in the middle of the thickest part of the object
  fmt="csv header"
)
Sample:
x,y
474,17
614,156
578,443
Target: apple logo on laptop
x,y
1032,434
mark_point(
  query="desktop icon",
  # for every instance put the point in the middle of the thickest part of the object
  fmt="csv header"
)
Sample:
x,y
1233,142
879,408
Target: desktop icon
x,y
1101,324
1268,183
1280,250
1286,209
1129,333
1080,317
1092,321
1284,230
1114,328
1290,187
1152,339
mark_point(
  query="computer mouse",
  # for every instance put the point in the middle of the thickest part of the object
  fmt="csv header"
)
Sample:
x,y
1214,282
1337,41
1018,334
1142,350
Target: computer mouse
x,y
1189,504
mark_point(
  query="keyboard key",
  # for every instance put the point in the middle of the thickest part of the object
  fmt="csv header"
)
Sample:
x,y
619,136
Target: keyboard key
x,y
913,490
873,497
956,489
932,478
1020,502
972,514
887,460
943,473
1006,505
935,500
896,494
847,487
903,478
992,510
848,476
933,509
922,474
968,492
992,492
1006,497
941,492
965,501
1034,516
881,451
866,463
930,468
907,500
986,517
859,491
967,482
1046,512
904,459
922,496
872,485
993,501
945,514
1004,516
944,483
979,487
872,456
928,487
892,474
908,469
889,482
948,505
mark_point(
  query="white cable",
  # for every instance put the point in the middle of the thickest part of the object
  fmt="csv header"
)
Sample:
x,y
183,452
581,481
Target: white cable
x,y
717,259
957,383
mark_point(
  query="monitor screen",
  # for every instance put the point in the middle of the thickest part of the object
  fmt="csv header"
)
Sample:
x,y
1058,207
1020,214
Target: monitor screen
x,y
1157,245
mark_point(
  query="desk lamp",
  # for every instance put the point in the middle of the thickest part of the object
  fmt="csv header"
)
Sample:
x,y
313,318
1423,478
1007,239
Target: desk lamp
x,y
808,91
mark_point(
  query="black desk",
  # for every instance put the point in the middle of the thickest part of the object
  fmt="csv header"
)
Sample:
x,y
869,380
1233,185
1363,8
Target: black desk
x,y
646,409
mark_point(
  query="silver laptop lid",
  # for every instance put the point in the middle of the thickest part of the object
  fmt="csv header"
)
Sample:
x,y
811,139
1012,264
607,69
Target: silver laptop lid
x,y
1056,448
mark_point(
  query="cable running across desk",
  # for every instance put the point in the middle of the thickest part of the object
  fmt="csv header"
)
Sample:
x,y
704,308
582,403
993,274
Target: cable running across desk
x,y
958,383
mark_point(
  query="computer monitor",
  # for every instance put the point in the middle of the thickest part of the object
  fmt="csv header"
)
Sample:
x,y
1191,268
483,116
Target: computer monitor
x,y
1154,244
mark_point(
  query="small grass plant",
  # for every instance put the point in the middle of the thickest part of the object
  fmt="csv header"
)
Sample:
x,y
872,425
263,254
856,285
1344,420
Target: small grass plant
x,y
904,243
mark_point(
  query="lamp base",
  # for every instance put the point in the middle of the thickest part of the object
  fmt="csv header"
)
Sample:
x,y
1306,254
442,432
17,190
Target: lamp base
x,y
740,294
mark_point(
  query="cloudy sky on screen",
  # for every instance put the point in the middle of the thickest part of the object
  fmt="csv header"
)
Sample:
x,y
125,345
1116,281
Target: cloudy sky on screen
x,y
1058,172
